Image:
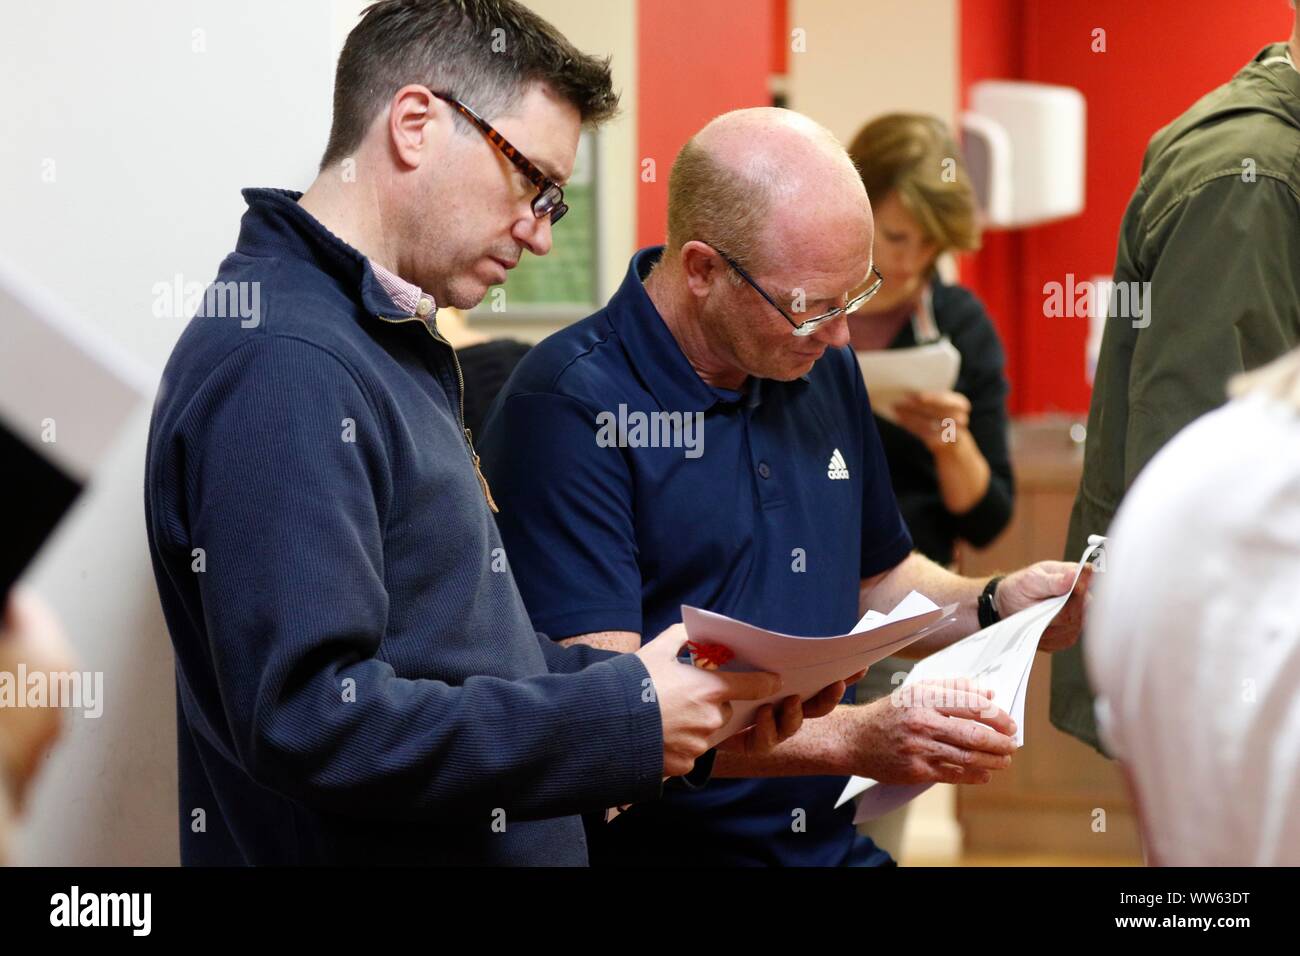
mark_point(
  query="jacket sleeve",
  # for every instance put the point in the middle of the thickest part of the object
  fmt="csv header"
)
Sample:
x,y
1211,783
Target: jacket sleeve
x,y
295,607
1224,296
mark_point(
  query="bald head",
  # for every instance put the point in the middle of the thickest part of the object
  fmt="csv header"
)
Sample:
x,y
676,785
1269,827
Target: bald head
x,y
772,193
763,183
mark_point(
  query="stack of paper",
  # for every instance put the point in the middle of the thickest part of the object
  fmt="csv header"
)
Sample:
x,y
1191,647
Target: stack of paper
x,y
892,373
998,658
808,664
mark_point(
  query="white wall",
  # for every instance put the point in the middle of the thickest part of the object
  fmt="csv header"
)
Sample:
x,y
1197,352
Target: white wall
x,y
152,129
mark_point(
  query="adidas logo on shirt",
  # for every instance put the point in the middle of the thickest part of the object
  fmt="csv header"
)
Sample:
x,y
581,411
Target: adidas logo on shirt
x,y
837,468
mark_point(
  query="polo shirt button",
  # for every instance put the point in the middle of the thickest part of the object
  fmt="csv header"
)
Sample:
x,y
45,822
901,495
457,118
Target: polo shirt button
x,y
763,470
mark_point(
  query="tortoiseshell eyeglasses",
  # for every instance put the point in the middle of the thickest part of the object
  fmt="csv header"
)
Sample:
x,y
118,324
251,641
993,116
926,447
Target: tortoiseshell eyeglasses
x,y
550,197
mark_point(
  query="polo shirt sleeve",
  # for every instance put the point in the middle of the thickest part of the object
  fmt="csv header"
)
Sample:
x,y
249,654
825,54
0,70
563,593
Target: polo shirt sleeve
x,y
566,515
885,538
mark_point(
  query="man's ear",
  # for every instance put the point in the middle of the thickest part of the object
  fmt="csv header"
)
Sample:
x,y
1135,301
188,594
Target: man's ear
x,y
416,120
700,265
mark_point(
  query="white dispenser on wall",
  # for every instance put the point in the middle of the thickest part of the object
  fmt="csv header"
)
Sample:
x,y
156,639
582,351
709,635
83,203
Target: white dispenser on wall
x,y
1024,148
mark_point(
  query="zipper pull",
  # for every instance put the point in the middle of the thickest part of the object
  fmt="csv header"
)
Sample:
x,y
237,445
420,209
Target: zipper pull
x,y
482,478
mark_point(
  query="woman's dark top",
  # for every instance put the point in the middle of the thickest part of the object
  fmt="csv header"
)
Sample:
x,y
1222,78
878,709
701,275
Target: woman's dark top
x,y
486,367
961,317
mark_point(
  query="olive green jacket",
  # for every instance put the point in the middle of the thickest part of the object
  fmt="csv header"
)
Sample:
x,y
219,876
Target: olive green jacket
x,y
1214,227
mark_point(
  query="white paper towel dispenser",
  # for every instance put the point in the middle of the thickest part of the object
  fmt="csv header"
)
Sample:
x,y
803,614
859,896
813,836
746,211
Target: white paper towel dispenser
x,y
1024,149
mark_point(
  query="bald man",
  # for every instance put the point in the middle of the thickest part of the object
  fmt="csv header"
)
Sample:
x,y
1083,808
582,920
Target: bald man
x,y
707,439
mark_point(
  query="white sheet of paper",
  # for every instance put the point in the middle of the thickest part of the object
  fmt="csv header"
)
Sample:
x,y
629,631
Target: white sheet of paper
x,y
891,373
999,658
807,664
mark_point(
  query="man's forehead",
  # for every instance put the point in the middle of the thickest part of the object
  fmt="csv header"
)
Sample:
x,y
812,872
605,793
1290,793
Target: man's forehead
x,y
820,284
828,251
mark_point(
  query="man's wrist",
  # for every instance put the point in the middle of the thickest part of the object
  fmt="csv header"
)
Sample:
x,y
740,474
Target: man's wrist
x,y
823,747
850,729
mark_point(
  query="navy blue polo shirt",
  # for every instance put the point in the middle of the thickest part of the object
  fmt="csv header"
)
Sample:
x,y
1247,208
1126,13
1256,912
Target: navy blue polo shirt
x,y
629,487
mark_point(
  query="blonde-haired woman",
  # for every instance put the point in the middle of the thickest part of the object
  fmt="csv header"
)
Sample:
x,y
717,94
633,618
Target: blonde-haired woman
x,y
952,483
947,450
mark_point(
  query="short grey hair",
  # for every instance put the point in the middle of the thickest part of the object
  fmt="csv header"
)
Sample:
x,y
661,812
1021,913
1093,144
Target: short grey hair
x,y
483,52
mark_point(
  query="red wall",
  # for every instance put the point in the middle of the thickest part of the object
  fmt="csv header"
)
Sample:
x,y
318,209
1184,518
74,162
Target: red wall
x,y
1161,56
695,59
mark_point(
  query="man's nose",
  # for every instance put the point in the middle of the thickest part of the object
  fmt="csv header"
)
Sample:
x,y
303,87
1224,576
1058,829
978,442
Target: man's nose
x,y
834,333
534,233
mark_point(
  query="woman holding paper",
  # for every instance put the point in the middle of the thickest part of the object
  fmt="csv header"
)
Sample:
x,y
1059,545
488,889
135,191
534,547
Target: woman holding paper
x,y
947,449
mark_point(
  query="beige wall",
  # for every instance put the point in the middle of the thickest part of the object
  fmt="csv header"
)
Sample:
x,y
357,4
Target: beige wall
x,y
867,58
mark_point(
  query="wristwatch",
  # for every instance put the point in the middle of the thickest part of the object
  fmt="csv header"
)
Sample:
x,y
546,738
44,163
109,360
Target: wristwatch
x,y
988,609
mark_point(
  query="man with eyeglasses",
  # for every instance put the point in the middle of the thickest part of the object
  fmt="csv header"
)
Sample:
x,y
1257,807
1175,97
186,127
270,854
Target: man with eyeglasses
x,y
357,678
782,517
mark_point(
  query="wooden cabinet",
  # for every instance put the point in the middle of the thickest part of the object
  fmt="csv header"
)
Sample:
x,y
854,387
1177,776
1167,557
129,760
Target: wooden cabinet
x,y
1058,791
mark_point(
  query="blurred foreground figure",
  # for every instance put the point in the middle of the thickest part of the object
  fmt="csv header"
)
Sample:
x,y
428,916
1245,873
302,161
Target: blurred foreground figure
x,y
31,637
1194,640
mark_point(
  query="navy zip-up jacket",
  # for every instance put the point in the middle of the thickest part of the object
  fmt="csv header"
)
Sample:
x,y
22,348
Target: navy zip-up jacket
x,y
357,678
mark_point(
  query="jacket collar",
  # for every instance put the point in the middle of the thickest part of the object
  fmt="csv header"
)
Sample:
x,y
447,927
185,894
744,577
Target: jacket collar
x,y
276,225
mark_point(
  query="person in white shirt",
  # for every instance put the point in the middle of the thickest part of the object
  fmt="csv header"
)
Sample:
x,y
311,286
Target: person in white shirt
x,y
1194,641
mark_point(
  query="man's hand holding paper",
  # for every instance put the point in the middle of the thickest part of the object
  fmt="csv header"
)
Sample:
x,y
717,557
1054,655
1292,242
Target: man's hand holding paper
x,y
695,703
1049,579
936,731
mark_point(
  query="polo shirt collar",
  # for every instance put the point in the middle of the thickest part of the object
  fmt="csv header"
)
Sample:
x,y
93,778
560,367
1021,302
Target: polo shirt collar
x,y
654,352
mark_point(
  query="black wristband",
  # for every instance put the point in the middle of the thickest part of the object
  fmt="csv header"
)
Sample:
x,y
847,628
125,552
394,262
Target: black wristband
x,y
988,609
